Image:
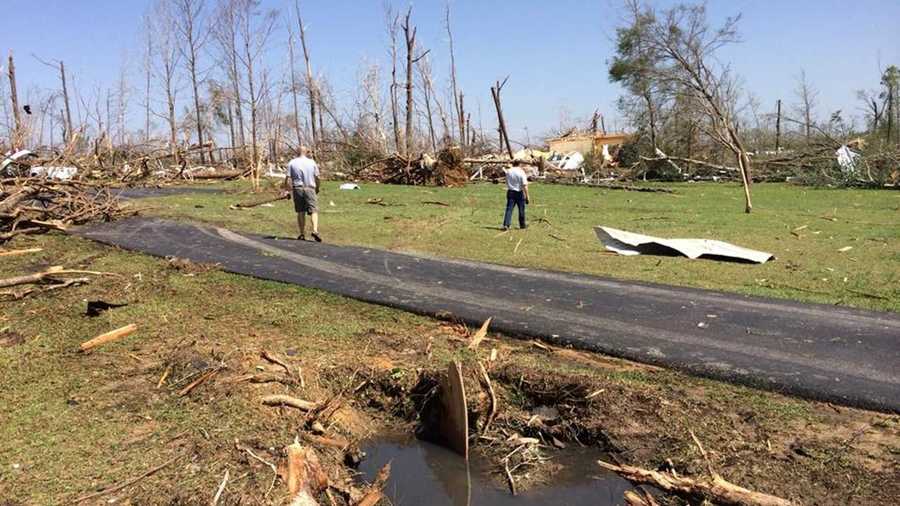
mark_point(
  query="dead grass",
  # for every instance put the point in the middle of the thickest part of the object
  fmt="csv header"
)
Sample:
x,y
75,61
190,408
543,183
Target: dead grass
x,y
73,422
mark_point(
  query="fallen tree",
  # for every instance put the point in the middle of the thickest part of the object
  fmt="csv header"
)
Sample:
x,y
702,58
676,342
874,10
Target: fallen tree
x,y
37,205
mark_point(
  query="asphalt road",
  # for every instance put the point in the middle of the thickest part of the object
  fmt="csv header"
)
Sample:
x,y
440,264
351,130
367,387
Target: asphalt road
x,y
834,354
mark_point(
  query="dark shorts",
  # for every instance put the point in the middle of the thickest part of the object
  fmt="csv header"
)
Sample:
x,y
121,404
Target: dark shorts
x,y
305,200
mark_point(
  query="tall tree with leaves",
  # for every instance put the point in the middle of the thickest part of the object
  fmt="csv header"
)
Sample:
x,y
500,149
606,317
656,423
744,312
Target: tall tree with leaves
x,y
677,48
633,64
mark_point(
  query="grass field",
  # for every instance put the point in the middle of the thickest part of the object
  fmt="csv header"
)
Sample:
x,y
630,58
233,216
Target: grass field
x,y
77,423
808,230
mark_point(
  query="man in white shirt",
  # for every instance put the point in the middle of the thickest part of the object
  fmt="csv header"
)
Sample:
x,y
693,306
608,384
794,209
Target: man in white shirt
x,y
516,194
303,181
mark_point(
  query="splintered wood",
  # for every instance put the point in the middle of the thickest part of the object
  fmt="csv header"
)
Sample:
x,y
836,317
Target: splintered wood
x,y
454,424
304,475
108,337
480,335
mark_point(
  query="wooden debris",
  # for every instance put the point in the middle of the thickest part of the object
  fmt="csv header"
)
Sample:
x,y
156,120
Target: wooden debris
x,y
479,336
250,205
435,203
162,379
60,204
492,396
199,381
375,492
132,481
288,401
330,441
714,488
541,346
509,478
17,252
267,377
304,475
595,393
108,337
21,294
454,425
634,499
51,272
215,499
277,361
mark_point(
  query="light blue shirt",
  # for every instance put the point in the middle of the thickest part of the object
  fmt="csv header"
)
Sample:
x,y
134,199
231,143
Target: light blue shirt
x,y
303,172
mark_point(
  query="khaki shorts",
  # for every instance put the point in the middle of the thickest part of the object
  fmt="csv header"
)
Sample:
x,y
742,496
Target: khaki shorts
x,y
305,200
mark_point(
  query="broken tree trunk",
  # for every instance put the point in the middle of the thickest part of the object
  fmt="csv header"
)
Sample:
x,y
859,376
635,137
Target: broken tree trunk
x,y
454,426
495,92
14,98
304,475
717,488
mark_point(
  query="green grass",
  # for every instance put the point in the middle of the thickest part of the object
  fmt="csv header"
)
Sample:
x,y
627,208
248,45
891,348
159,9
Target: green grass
x,y
809,266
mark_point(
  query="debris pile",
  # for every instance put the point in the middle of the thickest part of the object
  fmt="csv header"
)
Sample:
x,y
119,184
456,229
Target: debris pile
x,y
446,170
36,205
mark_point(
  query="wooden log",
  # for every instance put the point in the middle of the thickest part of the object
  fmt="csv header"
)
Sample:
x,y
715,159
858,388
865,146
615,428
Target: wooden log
x,y
304,475
288,401
17,252
108,337
716,488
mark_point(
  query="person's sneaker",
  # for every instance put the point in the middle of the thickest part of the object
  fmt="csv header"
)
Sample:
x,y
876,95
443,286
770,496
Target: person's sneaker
x,y
301,237
317,237
504,228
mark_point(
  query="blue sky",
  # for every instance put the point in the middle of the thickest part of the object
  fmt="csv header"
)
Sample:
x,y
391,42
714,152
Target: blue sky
x,y
555,52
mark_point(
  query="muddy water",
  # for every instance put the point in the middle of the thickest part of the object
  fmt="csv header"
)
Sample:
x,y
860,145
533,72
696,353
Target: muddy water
x,y
424,473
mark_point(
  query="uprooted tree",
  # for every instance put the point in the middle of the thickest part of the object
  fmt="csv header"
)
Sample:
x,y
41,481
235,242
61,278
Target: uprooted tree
x,y
670,54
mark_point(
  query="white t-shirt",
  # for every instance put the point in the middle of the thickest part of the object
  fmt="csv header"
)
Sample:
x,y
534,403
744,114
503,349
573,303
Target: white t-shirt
x,y
303,172
516,179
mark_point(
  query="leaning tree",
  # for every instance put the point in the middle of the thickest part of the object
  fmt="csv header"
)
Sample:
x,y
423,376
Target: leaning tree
x,y
674,51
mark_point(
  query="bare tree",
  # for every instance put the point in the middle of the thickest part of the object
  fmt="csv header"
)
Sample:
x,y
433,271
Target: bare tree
x,y
681,47
807,99
312,89
122,104
371,104
254,30
457,95
165,64
16,137
393,25
148,73
193,33
424,67
226,37
409,33
294,88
